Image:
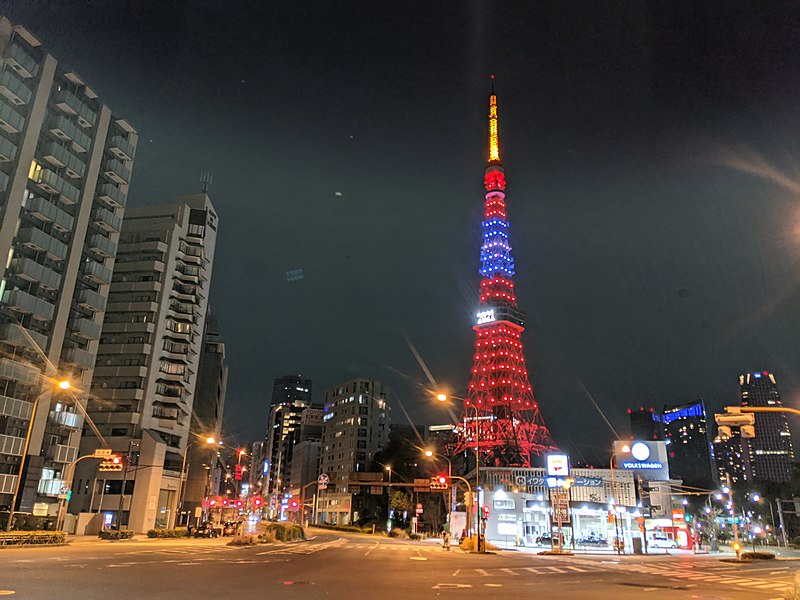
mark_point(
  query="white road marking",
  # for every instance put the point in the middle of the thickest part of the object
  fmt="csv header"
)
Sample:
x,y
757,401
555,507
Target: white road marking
x,y
417,558
368,551
457,571
492,585
484,572
450,586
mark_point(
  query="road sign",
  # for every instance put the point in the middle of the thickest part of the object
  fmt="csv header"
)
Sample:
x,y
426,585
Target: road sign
x,y
559,500
422,485
64,489
102,453
322,481
418,510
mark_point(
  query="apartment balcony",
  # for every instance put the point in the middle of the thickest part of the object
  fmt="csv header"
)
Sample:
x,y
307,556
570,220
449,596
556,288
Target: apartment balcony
x,y
167,412
79,357
62,418
8,483
25,303
86,329
120,371
12,445
102,245
39,241
89,299
14,89
117,172
17,371
23,63
15,408
68,102
60,453
107,220
145,328
52,183
7,150
139,307
122,148
136,286
58,155
111,195
96,272
147,266
188,273
51,487
119,394
4,179
68,131
16,335
46,211
108,350
10,120
29,270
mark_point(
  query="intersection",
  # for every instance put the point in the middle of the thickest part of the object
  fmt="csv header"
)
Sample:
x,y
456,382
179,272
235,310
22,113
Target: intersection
x,y
337,565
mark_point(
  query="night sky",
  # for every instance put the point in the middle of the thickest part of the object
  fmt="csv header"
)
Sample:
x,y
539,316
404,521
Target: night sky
x,y
652,151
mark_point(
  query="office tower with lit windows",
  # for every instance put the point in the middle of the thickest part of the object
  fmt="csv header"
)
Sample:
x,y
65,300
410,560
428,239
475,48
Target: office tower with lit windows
x,y
770,453
730,459
65,167
689,448
291,395
645,424
146,375
206,419
356,427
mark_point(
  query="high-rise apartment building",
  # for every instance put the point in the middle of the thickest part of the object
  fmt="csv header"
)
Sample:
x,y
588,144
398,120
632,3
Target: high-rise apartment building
x,y
304,468
689,449
206,420
65,167
730,459
146,375
645,424
291,395
770,453
356,427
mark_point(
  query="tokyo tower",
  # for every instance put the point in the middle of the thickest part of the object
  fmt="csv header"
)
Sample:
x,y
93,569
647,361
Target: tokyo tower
x,y
501,417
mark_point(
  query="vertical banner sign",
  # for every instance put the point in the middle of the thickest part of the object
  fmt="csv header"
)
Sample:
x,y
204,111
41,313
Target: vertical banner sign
x,y
559,500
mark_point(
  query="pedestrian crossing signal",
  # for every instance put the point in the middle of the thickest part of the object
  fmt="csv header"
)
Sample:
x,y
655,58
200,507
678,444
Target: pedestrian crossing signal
x,y
111,464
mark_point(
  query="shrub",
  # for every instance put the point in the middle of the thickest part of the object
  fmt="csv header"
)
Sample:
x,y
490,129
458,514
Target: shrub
x,y
470,543
347,528
113,534
398,533
268,537
285,532
757,555
796,541
32,537
167,533
415,536
243,540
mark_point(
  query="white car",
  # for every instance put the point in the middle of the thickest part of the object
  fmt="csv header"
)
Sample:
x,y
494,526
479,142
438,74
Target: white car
x,y
661,542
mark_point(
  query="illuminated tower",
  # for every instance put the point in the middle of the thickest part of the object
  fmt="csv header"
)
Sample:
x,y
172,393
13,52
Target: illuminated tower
x,y
501,417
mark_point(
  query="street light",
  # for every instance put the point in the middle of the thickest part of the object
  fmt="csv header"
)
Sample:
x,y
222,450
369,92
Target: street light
x,y
431,454
209,441
63,385
389,500
442,397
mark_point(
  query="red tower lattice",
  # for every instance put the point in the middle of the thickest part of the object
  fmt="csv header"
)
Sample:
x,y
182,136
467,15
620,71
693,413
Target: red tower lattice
x,y
501,417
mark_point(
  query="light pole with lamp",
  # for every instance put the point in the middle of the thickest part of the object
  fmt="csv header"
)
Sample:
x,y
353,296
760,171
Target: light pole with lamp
x,y
62,385
431,454
480,546
389,500
209,441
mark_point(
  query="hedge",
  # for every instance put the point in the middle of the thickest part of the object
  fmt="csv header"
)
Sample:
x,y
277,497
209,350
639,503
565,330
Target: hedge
x,y
113,534
16,538
167,533
348,528
282,533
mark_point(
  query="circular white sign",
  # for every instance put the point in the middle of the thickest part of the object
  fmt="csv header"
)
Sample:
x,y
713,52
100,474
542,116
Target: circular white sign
x,y
323,479
640,451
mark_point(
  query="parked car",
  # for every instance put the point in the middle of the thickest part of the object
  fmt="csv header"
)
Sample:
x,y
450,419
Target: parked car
x,y
206,530
661,541
592,540
229,528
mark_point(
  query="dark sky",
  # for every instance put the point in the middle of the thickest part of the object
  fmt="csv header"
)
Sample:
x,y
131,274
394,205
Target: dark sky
x,y
651,150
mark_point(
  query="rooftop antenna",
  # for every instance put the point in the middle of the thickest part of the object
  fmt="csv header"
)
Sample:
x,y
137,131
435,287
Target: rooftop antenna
x,y
205,180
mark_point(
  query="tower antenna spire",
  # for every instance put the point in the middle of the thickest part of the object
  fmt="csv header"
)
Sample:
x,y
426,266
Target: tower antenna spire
x,y
494,140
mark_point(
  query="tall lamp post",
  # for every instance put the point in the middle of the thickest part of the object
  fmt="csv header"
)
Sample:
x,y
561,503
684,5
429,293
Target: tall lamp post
x,y
62,385
431,454
389,500
480,546
209,441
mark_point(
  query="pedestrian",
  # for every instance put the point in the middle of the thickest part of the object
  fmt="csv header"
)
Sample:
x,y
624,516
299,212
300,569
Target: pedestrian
x,y
189,530
446,540
463,534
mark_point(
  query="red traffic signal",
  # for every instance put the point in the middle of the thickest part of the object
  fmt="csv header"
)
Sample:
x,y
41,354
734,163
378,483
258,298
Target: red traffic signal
x,y
484,512
258,501
112,463
238,473
239,504
439,482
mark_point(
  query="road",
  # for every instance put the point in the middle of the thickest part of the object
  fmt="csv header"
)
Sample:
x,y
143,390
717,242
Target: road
x,y
338,566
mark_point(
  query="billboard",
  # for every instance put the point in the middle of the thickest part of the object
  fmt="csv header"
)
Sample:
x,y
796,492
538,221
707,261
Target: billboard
x,y
648,459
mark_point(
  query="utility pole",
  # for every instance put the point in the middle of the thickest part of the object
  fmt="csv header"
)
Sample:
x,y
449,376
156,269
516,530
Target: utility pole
x,y
780,520
122,489
736,545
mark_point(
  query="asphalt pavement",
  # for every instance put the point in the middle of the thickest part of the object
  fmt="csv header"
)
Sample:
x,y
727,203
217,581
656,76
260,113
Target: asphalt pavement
x,y
345,566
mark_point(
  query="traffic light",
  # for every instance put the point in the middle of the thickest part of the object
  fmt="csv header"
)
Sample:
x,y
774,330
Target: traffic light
x,y
111,464
258,501
238,473
239,504
294,505
484,512
439,483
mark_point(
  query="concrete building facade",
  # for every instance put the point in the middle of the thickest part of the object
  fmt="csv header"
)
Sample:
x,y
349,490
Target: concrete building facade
x,y
146,377
65,168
